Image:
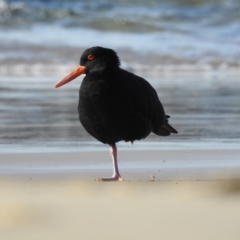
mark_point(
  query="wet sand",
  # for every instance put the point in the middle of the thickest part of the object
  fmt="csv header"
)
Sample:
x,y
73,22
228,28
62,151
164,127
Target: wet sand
x,y
177,194
134,165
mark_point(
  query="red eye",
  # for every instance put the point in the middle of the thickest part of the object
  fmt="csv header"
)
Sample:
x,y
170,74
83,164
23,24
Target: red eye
x,y
90,57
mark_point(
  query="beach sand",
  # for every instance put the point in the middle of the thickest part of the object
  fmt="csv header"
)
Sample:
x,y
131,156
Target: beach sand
x,y
177,194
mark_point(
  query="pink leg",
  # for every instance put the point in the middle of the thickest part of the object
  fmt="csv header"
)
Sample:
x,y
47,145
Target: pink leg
x,y
116,175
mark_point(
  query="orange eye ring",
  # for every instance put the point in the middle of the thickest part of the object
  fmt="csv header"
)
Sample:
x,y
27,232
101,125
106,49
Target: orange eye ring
x,y
90,57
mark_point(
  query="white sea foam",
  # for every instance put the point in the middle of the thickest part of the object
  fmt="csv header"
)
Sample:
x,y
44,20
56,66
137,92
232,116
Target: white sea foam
x,y
155,42
50,53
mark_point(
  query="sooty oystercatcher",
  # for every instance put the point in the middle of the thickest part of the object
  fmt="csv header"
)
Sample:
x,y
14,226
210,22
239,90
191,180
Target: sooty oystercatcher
x,y
114,104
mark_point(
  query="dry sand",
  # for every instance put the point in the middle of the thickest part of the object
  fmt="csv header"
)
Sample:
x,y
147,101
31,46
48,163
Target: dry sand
x,y
182,194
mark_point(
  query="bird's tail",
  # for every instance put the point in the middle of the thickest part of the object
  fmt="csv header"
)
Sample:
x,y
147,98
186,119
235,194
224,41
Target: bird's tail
x,y
166,129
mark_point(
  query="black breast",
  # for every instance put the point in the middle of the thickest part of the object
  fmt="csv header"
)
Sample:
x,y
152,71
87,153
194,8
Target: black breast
x,y
118,106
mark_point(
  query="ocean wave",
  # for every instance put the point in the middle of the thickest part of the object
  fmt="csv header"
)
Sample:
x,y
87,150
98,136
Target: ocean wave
x,y
28,51
141,16
44,67
42,37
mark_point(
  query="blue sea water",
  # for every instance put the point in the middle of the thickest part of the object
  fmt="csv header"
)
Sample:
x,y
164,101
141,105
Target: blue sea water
x,y
195,33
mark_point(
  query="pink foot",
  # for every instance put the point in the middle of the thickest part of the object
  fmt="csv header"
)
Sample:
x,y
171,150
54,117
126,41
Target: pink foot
x,y
110,179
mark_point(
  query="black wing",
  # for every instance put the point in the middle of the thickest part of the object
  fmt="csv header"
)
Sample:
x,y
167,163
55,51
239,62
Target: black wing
x,y
143,98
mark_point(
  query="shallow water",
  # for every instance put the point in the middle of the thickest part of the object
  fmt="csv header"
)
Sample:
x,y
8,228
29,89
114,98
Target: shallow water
x,y
34,116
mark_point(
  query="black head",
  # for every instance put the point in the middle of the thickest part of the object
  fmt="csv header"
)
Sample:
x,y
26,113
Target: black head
x,y
99,59
95,59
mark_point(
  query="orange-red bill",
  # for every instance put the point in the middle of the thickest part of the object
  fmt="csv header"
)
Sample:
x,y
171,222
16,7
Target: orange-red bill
x,y
72,75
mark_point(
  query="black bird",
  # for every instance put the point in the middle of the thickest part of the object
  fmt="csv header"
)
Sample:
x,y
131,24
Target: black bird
x,y
114,104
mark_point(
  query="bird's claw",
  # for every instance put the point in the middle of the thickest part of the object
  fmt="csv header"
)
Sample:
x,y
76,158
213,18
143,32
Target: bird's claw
x,y
110,179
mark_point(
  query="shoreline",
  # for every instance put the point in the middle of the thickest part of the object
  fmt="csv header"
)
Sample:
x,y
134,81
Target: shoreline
x,y
164,165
